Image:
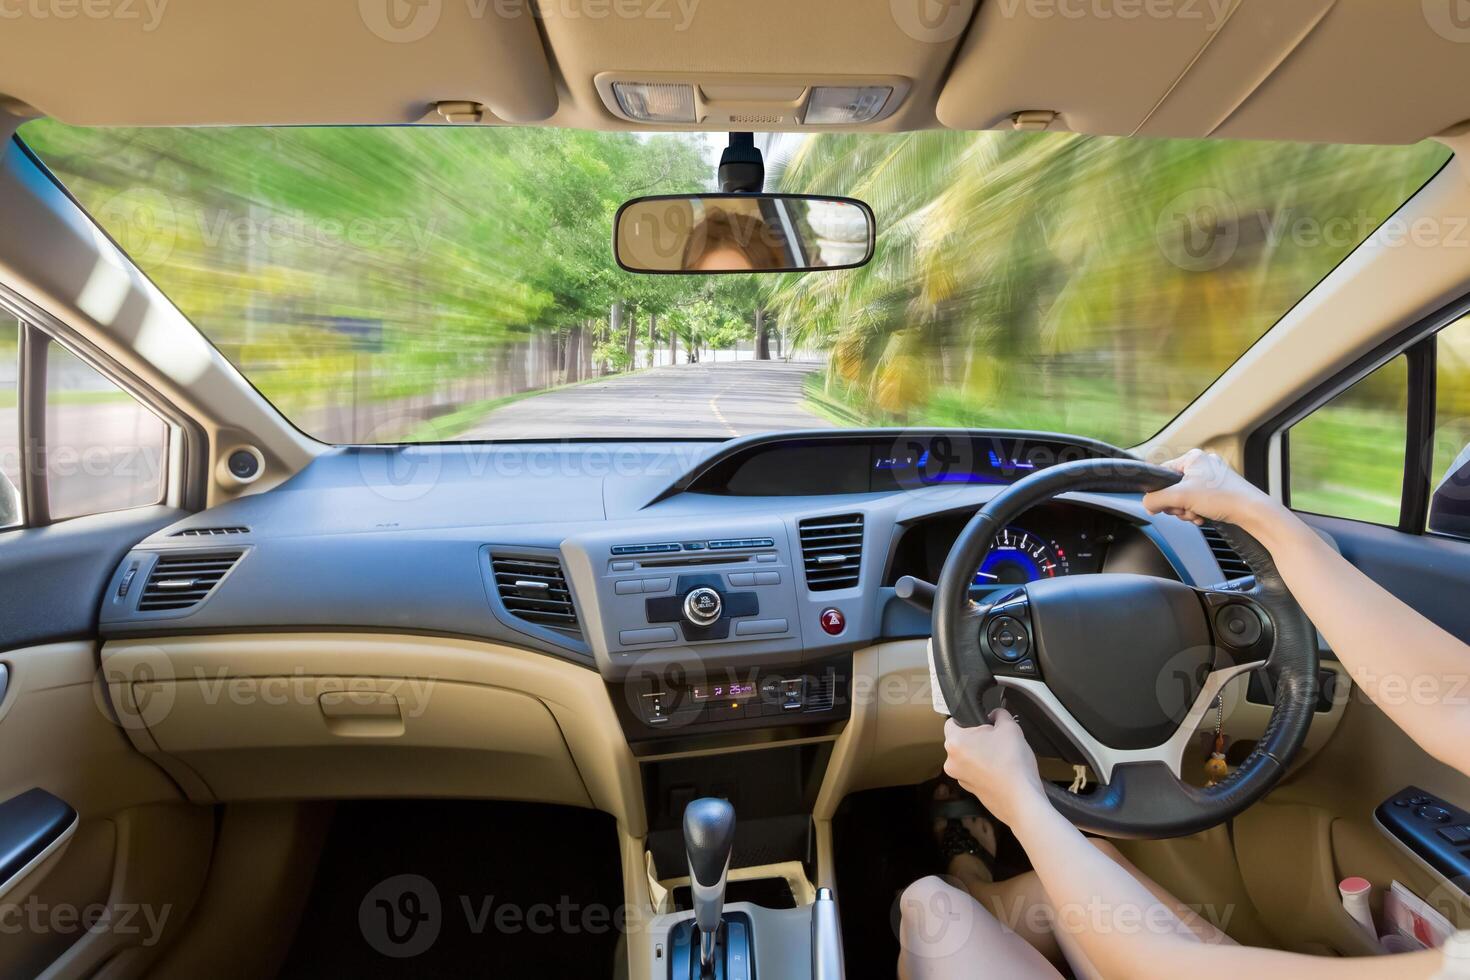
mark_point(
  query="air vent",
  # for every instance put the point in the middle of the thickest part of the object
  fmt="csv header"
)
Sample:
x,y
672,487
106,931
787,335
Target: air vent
x,y
823,692
832,549
535,589
1229,559
183,580
210,532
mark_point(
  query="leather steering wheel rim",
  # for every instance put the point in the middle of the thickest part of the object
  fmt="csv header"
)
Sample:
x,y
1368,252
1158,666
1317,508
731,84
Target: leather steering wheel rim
x,y
1142,799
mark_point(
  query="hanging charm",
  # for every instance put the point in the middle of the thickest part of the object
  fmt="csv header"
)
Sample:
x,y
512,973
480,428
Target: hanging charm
x,y
1216,768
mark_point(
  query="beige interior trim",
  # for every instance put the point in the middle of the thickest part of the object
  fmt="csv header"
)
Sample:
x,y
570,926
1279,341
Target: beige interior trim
x,y
245,713
791,872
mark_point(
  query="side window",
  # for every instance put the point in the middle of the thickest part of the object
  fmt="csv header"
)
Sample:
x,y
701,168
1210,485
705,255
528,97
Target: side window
x,y
105,451
1449,501
1346,459
10,464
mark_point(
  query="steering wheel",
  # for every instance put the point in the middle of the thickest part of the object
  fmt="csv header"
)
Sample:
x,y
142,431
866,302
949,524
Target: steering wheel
x,y
1125,667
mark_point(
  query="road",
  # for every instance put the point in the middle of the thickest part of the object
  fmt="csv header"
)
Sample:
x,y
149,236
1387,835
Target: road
x,y
734,398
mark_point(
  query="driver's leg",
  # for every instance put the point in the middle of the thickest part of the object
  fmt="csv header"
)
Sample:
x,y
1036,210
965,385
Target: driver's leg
x,y
1022,905
1020,909
945,934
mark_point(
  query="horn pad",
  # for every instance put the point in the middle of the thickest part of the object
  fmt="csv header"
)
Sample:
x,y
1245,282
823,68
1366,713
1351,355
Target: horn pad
x,y
1127,655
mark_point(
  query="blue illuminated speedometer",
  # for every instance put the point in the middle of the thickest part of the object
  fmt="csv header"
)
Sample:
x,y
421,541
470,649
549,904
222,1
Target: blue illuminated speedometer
x,y
1018,557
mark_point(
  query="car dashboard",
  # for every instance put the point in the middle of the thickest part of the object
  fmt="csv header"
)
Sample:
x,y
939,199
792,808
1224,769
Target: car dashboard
x,y
719,589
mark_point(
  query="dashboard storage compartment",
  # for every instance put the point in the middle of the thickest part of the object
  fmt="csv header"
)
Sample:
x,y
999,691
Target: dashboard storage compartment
x,y
301,737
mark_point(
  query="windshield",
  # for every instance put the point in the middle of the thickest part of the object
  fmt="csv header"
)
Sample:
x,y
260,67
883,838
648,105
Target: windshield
x,y
428,284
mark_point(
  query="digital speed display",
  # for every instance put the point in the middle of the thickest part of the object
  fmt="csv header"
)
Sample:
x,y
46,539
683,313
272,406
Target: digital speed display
x,y
941,459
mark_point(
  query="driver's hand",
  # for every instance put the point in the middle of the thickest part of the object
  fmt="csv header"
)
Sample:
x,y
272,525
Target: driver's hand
x,y
1210,490
995,763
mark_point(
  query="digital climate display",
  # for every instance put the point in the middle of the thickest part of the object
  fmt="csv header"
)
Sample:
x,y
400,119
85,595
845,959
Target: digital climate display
x,y
722,692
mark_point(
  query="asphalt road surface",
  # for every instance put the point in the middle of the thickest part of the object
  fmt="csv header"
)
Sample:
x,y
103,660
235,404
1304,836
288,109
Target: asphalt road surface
x,y
733,398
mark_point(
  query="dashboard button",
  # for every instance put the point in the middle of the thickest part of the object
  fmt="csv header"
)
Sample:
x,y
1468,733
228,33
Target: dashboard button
x,y
656,585
833,622
744,579
767,578
623,566
629,586
766,559
653,634
755,627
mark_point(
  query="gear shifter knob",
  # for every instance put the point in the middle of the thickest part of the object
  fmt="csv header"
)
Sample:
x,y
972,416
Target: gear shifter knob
x,y
709,837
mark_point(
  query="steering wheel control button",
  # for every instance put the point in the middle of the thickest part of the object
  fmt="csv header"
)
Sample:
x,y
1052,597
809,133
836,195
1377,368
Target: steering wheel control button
x,y
1008,639
833,622
1238,626
1027,666
1434,814
702,606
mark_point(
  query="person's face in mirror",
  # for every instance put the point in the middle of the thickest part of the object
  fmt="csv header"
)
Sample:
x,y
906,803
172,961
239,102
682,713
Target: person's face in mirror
x,y
723,258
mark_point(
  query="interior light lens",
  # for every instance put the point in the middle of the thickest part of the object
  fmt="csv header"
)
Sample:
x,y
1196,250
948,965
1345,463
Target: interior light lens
x,y
835,105
656,102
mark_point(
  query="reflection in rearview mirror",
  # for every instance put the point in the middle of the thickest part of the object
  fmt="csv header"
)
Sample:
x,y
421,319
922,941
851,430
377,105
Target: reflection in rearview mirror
x,y
707,233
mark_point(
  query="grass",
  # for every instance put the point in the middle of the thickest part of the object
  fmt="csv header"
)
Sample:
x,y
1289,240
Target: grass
x,y
8,397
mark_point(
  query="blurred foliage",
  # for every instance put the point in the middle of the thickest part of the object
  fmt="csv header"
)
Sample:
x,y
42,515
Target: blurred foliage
x,y
1086,285
1078,284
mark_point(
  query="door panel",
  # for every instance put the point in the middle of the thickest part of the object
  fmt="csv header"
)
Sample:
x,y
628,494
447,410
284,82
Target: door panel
x,y
1319,826
137,850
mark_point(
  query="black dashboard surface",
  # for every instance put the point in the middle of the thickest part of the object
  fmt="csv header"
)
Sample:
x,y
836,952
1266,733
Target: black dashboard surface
x,y
402,539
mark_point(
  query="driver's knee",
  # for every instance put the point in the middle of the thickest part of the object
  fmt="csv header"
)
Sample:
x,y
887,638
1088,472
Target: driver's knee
x,y
1107,848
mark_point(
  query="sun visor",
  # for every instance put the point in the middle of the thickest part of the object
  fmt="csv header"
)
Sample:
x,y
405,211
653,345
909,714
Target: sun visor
x,y
262,62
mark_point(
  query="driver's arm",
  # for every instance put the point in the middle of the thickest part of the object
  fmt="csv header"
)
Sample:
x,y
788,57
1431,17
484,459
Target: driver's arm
x,y
1118,923
1417,673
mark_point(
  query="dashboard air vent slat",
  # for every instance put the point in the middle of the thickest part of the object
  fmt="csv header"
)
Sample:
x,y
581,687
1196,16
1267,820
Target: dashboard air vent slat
x,y
535,589
184,580
210,532
1228,558
823,693
832,551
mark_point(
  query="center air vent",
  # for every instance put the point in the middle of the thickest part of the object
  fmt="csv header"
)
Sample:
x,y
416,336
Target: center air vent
x,y
832,550
183,580
210,532
1228,558
535,589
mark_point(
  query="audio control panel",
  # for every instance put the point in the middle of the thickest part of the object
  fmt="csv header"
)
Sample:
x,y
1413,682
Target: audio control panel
x,y
664,601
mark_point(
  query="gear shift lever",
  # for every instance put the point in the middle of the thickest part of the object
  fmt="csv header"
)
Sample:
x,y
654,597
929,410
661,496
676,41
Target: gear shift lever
x,y
709,836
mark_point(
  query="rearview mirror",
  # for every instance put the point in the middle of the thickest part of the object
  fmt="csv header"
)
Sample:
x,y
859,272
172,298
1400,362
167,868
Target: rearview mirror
x,y
713,233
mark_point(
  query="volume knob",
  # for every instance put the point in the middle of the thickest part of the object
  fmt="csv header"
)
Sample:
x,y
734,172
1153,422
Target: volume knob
x,y
702,606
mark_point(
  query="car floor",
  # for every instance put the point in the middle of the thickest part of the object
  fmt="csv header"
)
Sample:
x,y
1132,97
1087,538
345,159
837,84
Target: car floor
x,y
462,888
884,841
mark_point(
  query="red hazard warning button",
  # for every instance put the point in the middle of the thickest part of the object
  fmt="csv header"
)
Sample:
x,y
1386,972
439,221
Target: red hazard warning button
x,y
833,622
